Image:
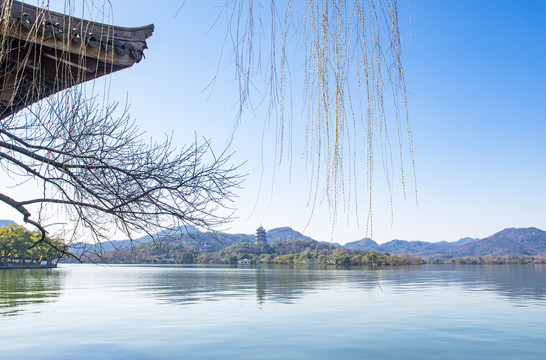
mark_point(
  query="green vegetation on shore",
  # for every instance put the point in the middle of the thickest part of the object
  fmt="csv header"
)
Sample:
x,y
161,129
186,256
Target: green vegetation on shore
x,y
17,246
303,251
488,259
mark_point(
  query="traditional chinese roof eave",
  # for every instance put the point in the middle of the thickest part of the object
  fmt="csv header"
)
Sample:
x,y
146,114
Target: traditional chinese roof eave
x,y
57,51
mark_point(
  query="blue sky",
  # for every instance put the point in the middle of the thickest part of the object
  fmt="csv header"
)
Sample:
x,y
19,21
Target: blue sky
x,y
476,80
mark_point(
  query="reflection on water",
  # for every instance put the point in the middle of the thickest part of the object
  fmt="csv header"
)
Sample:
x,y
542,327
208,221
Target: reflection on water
x,y
521,284
185,285
205,312
518,283
267,283
31,286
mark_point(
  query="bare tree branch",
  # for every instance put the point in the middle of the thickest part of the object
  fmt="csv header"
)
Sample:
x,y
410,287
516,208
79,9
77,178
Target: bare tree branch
x,y
26,215
93,163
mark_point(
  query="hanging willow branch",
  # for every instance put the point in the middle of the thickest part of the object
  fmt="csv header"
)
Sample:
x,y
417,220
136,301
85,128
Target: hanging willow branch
x,y
346,57
345,54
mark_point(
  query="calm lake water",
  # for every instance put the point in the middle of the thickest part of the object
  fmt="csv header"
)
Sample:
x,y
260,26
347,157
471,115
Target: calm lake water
x,y
139,312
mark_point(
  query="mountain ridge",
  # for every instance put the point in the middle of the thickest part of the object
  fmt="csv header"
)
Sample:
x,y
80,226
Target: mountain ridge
x,y
4,222
507,242
206,242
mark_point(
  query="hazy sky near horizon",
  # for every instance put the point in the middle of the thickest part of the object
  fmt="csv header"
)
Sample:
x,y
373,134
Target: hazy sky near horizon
x,y
476,79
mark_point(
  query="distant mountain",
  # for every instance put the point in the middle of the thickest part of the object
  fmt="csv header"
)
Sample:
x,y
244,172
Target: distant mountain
x,y
331,243
204,242
283,234
363,244
508,242
211,242
6,223
190,237
81,247
465,240
421,248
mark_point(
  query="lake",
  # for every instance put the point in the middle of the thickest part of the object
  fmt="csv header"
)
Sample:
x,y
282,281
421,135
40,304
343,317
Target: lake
x,y
200,312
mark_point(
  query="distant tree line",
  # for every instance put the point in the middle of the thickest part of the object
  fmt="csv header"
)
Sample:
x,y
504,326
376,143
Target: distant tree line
x,y
302,251
489,259
18,245
281,252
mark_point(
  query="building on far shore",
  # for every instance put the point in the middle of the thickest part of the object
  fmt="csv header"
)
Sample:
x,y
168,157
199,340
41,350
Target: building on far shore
x,y
261,237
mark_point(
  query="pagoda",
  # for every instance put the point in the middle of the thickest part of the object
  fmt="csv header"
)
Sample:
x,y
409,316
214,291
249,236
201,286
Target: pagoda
x,y
261,237
43,52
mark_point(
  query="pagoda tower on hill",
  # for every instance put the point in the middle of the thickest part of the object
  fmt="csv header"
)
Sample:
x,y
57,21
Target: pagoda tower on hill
x,y
261,237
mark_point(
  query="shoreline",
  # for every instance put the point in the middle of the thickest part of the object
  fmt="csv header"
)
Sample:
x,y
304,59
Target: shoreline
x,y
27,266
